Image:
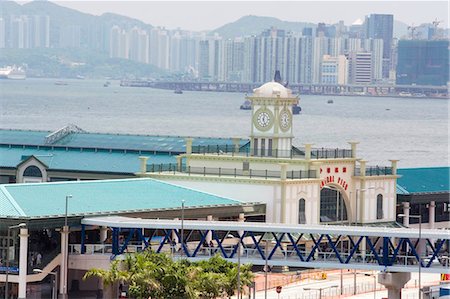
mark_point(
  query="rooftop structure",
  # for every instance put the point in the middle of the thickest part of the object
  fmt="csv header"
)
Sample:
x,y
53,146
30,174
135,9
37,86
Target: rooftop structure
x,y
425,192
102,197
57,154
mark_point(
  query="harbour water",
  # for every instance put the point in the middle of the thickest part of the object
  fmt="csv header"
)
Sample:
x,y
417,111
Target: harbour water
x,y
415,131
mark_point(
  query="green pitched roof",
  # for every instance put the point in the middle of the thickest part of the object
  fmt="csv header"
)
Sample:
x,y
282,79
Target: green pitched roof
x,y
172,144
86,160
423,180
100,197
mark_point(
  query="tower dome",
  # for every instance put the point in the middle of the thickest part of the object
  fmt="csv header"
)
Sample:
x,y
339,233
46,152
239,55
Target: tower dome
x,y
272,90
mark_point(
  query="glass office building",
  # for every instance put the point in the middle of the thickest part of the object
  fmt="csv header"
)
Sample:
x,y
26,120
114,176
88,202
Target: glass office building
x,y
423,62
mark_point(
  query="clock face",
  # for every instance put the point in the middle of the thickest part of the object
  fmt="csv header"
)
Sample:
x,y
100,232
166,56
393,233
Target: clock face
x,y
263,119
285,120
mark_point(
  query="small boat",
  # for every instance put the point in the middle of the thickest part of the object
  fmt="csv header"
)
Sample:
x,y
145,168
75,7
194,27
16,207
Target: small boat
x,y
178,91
61,83
296,109
106,84
246,105
330,101
405,94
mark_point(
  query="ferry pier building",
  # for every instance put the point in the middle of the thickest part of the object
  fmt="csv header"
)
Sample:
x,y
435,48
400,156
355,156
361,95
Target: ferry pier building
x,y
304,185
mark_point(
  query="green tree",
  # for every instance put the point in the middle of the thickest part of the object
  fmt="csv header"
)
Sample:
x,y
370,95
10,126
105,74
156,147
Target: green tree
x,y
153,275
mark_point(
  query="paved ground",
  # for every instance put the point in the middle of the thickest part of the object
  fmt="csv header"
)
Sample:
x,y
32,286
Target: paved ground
x,y
309,288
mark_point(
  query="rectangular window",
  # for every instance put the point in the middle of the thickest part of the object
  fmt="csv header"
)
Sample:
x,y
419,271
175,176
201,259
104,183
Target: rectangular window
x,y
255,147
270,148
263,147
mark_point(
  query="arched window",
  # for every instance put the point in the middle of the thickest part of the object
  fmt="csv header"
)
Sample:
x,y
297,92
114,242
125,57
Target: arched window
x,y
332,206
33,171
379,206
301,211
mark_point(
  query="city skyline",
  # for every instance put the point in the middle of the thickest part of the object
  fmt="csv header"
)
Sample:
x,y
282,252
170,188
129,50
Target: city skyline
x,y
203,16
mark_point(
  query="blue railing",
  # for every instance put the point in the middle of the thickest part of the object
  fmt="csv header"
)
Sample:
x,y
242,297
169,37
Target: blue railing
x,y
231,172
316,153
375,171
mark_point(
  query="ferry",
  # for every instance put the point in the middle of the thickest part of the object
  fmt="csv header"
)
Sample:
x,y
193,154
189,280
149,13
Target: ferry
x,y
246,105
12,73
296,109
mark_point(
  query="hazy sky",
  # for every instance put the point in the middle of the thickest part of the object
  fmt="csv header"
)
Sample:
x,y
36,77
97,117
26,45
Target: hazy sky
x,y
207,15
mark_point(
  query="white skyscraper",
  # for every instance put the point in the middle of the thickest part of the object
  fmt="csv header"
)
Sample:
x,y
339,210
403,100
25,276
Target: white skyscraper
x,y
306,48
138,45
118,43
320,49
40,31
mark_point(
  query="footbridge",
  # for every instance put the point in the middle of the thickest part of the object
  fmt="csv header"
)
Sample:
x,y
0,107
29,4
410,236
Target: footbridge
x,y
309,246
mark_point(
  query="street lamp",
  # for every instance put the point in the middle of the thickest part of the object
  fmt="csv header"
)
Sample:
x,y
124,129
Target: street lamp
x,y
66,249
341,205
20,225
420,251
54,274
356,223
67,205
182,226
320,289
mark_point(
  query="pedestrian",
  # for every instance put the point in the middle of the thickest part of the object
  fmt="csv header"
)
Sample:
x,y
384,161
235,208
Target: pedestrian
x,y
38,259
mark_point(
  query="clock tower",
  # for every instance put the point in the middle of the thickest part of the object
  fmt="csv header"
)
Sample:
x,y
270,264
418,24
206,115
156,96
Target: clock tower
x,y
271,129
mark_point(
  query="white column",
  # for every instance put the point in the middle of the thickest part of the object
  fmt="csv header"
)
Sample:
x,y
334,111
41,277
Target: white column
x,y
241,232
143,168
175,237
283,175
431,213
406,213
103,234
64,259
308,151
209,234
23,262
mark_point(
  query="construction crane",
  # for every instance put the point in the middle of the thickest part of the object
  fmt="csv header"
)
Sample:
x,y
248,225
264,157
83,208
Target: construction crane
x,y
412,29
436,23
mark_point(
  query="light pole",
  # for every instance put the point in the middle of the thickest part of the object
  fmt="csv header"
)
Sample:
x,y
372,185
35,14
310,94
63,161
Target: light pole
x,y
182,226
239,270
420,247
320,289
53,274
339,205
66,249
356,223
20,225
266,253
67,205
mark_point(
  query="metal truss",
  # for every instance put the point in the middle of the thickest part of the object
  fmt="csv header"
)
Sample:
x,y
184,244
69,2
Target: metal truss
x,y
312,250
61,133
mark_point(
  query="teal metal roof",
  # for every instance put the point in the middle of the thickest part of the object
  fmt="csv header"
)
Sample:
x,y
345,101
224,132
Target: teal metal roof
x,y
423,180
175,144
86,160
100,197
